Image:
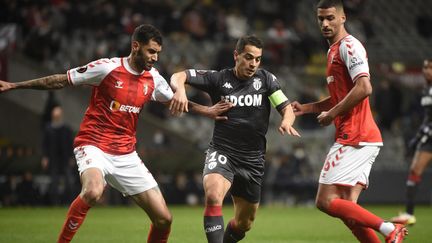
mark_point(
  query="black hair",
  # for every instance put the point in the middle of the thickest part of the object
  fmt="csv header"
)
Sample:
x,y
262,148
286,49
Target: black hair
x,y
146,32
329,4
248,40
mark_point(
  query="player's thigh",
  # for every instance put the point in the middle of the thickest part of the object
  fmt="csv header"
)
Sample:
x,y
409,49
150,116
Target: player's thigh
x,y
92,178
420,161
216,186
244,211
153,203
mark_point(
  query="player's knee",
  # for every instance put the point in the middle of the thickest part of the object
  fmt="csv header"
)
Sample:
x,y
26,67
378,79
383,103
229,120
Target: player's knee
x,y
213,198
92,195
163,222
246,224
322,204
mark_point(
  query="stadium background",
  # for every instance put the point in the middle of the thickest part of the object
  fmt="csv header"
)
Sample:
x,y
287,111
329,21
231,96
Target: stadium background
x,y
38,38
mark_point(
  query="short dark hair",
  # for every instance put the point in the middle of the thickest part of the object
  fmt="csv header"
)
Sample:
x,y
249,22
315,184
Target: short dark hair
x,y
329,4
248,40
146,32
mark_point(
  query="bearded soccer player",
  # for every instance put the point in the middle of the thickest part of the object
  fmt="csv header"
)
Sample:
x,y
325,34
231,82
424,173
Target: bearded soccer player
x,y
423,150
346,169
105,145
235,158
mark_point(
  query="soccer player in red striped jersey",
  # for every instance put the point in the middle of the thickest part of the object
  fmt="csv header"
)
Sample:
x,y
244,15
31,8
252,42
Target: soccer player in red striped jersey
x,y
346,169
105,145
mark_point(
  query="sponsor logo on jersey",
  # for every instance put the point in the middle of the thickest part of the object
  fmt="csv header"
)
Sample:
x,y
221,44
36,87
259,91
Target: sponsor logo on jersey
x,y
355,62
116,106
244,100
213,228
227,85
257,83
82,69
119,84
330,79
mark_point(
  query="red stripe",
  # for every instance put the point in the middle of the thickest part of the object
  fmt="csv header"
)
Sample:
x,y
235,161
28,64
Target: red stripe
x,y
414,177
69,77
213,211
360,75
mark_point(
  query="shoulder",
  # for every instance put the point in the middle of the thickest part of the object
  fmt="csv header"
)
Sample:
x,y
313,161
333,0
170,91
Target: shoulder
x,y
266,75
350,43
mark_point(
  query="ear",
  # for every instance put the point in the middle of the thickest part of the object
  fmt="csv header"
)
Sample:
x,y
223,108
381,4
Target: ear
x,y
135,46
235,55
343,18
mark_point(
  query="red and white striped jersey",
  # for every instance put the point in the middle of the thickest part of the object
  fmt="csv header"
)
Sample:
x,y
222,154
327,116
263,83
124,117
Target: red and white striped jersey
x,y
346,62
118,96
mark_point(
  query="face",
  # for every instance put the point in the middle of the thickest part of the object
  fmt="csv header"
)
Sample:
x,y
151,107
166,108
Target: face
x,y
427,70
144,56
330,21
247,62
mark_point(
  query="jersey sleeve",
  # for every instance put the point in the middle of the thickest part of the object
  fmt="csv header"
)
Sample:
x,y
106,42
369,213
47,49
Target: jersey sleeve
x,y
276,96
162,91
353,54
201,79
92,73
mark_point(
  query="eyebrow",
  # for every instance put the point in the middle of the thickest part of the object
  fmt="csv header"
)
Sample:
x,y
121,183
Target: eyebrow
x,y
250,54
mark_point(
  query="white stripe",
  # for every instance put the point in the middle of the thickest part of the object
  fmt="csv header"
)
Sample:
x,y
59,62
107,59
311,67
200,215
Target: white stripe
x,y
371,144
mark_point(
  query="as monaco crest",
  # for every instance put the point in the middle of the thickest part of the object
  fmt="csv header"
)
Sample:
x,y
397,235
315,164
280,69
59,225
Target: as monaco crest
x,y
257,83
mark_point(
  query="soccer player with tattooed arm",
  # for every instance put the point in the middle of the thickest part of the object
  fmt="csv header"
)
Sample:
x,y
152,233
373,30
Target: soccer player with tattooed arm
x,y
104,147
236,154
358,140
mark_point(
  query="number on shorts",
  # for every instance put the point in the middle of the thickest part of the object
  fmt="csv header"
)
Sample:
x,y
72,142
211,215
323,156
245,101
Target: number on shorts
x,y
220,158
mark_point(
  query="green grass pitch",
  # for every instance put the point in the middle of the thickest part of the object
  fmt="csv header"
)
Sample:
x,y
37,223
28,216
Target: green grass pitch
x,y
130,224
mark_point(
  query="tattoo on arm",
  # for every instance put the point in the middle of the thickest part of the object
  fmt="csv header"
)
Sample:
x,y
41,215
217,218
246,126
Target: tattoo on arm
x,y
56,81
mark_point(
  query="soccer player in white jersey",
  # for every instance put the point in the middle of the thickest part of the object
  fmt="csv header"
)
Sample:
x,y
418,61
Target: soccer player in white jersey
x,y
346,169
105,145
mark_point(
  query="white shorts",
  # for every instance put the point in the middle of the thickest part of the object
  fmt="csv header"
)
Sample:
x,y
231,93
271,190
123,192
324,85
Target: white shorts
x,y
126,173
348,165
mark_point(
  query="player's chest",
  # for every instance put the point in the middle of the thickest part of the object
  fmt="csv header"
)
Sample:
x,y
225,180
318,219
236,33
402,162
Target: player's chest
x,y
127,89
426,99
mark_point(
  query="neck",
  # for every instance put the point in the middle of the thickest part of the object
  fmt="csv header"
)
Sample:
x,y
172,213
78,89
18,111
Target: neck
x,y
342,34
133,65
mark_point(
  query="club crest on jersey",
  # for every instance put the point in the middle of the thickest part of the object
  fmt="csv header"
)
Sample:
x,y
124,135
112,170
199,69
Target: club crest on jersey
x,y
257,83
330,79
119,84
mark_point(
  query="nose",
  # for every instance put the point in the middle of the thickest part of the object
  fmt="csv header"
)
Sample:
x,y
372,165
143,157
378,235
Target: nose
x,y
154,57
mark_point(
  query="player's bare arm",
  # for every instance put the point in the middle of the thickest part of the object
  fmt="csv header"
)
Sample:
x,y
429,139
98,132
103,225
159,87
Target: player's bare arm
x,y
360,91
56,81
315,107
179,102
288,119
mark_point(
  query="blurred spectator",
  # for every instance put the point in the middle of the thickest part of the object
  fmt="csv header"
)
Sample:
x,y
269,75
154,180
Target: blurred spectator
x,y
388,103
295,176
26,191
8,191
57,159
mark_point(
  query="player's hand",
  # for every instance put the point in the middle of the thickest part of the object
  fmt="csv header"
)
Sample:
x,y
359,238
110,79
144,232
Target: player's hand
x,y
325,118
179,103
287,128
215,111
297,108
5,86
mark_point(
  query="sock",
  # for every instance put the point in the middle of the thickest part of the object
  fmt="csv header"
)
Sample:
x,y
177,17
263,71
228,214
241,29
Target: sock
x,y
411,191
213,224
158,235
232,233
363,234
74,218
354,214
